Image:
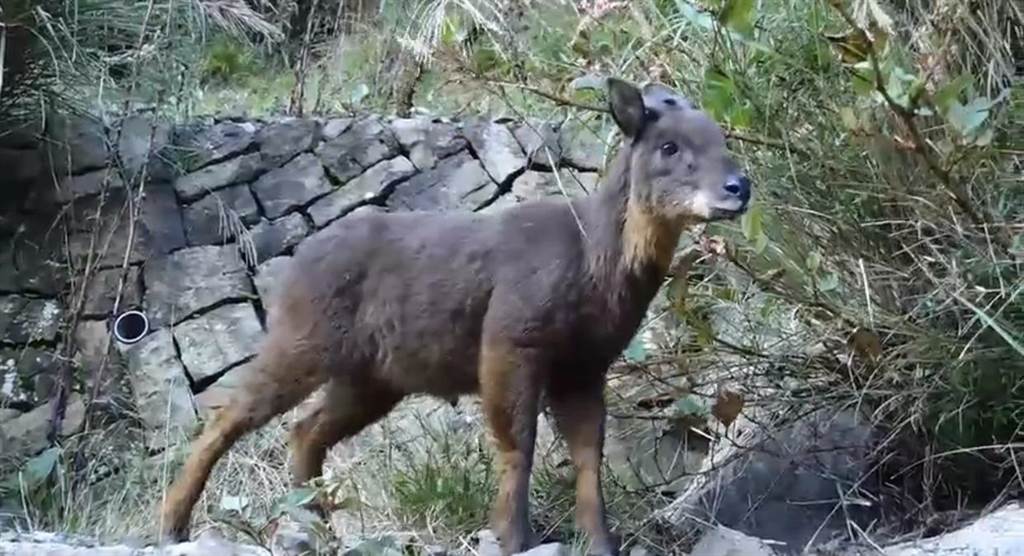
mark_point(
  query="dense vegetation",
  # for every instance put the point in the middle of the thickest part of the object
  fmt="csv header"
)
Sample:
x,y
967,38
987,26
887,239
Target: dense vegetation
x,y
881,268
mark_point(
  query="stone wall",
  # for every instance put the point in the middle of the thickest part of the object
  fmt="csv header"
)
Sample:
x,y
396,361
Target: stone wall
x,y
220,205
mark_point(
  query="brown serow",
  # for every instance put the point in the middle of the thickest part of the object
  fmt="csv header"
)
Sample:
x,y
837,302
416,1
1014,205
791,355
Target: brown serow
x,y
537,299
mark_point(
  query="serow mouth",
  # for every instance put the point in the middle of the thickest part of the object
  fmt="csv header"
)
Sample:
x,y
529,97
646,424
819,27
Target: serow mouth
x,y
727,214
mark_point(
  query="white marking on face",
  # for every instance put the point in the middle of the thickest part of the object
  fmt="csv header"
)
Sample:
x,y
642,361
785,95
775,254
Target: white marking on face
x,y
700,206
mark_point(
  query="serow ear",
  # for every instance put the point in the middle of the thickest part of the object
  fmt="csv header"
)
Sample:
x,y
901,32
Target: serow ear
x,y
627,106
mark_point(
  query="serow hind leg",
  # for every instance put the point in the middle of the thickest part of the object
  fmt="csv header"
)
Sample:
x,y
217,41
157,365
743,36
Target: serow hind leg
x,y
278,381
347,407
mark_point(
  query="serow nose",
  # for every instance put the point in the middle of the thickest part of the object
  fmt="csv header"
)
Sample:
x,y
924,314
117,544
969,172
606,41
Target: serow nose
x,y
739,186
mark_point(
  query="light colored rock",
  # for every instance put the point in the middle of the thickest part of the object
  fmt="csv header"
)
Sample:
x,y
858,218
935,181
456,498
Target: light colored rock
x,y
370,185
722,541
267,276
24,319
427,140
365,143
50,544
102,291
548,549
282,140
458,182
487,544
221,141
566,183
218,339
81,141
191,280
582,146
499,152
6,414
73,187
775,490
539,141
160,388
335,127
271,238
212,219
27,375
293,185
218,394
211,178
998,533
26,433
140,139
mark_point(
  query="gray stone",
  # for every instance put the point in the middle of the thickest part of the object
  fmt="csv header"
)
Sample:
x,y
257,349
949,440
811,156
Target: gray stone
x,y
218,394
335,127
539,140
364,144
73,187
193,279
427,140
271,238
95,349
7,414
219,339
997,533
220,141
139,144
158,229
534,185
582,147
211,178
267,276
499,152
373,184
789,473
26,375
24,320
215,218
31,260
102,291
40,543
458,182
487,544
294,185
79,144
722,541
160,388
26,433
281,141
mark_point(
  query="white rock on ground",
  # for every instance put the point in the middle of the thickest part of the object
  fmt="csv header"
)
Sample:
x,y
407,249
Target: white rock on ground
x,y
1000,533
722,541
52,544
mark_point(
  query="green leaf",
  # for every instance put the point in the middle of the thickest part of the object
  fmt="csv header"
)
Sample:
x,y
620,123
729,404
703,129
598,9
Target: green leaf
x,y
1012,338
688,12
230,503
849,118
295,498
738,15
829,282
752,222
949,93
689,406
719,93
635,351
36,470
966,119
813,261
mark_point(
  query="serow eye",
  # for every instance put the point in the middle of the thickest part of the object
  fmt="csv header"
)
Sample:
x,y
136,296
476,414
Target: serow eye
x,y
669,149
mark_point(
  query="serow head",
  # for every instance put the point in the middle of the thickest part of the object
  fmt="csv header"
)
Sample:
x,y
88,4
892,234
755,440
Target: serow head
x,y
679,166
